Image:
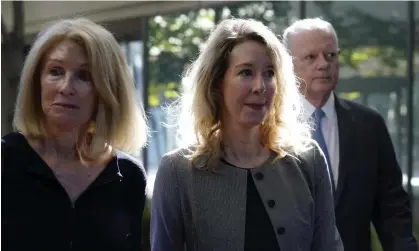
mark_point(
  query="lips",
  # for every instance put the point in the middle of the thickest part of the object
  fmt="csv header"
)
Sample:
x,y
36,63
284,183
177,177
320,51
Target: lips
x,y
66,105
255,106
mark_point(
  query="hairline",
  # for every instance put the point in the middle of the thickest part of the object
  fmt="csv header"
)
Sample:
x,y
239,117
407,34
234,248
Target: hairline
x,y
305,25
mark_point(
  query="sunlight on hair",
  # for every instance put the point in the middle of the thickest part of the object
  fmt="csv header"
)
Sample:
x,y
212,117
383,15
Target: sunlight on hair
x,y
195,111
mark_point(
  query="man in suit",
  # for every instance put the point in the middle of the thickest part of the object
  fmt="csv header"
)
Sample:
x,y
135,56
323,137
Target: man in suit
x,y
361,158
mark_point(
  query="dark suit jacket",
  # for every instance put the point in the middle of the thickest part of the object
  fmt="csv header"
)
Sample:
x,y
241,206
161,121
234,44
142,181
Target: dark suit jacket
x,y
369,183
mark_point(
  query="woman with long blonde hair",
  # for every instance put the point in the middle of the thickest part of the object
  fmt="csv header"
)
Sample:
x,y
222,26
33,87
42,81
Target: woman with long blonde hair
x,y
68,179
248,176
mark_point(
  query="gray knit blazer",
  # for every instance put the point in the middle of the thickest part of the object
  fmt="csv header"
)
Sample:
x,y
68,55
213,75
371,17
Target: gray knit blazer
x,y
198,210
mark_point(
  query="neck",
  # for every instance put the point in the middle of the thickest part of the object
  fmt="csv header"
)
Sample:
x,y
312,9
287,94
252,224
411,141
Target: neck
x,y
318,101
242,143
61,144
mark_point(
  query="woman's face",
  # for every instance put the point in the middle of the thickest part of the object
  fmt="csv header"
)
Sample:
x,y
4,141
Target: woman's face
x,y
67,92
249,85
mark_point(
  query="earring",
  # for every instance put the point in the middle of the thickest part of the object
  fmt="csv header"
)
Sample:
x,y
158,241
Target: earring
x,y
92,127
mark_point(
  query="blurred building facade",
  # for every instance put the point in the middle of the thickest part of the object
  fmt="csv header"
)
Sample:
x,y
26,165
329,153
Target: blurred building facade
x,y
379,59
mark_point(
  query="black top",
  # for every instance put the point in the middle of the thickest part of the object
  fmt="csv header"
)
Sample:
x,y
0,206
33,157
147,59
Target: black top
x,y
37,213
259,231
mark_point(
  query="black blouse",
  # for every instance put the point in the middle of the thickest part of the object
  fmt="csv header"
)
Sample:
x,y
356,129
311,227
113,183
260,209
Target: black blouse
x,y
259,232
37,213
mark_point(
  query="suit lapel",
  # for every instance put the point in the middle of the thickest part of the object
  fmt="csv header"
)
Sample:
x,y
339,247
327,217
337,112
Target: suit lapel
x,y
346,122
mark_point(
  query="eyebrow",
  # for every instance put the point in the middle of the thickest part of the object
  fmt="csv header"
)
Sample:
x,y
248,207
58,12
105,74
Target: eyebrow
x,y
62,62
250,65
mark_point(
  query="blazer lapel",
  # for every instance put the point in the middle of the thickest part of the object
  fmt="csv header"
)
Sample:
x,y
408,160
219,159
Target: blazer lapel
x,y
346,142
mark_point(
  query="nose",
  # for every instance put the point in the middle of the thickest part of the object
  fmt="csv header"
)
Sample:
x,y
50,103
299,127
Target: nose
x,y
259,84
322,62
67,86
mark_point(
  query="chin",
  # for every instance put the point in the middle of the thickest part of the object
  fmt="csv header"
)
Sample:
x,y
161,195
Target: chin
x,y
64,126
325,85
251,119
252,123
324,88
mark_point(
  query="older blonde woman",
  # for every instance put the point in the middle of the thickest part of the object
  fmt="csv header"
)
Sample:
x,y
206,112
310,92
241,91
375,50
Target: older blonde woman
x,y
68,182
249,177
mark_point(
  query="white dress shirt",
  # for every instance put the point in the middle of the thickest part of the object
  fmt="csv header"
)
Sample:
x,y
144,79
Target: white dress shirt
x,y
329,129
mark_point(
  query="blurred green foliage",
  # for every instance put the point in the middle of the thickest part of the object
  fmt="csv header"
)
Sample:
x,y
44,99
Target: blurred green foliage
x,y
175,40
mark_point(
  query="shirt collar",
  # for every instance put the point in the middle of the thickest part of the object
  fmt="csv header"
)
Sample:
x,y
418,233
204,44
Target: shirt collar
x,y
328,108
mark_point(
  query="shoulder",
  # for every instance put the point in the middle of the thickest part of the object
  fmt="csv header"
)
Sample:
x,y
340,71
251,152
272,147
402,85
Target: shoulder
x,y
360,111
173,164
364,119
312,161
13,139
177,158
130,166
310,153
13,146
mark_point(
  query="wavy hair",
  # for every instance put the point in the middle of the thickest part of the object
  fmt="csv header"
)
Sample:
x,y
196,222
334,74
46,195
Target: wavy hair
x,y
197,111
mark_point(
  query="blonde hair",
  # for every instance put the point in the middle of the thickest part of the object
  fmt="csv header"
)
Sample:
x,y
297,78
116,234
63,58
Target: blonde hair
x,y
119,124
198,109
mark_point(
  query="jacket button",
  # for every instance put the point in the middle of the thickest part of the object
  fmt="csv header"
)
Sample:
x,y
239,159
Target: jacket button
x,y
259,176
280,230
271,203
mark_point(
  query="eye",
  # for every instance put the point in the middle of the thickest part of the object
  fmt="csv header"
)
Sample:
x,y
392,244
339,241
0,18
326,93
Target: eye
x,y
310,57
269,73
56,71
245,73
84,75
331,55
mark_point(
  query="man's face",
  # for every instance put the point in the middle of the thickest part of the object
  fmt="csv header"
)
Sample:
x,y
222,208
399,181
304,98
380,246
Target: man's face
x,y
316,62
